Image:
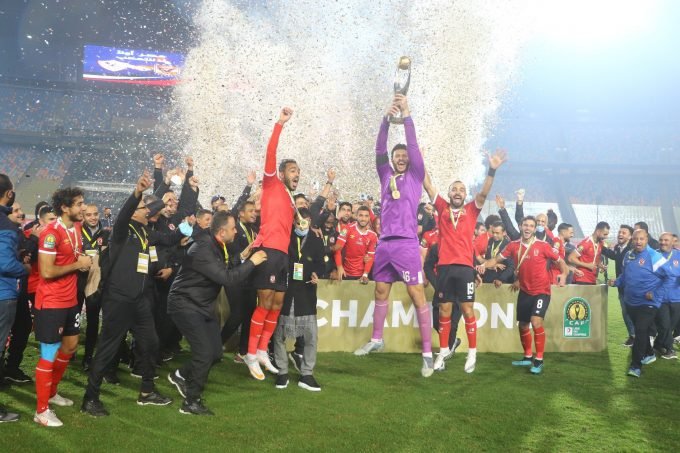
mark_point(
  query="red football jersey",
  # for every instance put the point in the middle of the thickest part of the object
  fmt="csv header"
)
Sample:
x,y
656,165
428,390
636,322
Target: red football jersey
x,y
429,239
589,252
66,245
357,246
532,264
277,213
456,231
558,245
480,244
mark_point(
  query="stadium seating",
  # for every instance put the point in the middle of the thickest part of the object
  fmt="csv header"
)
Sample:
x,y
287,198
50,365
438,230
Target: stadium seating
x,y
589,214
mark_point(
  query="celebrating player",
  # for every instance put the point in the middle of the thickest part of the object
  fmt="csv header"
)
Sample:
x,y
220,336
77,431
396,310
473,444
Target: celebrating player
x,y
358,242
397,256
531,257
456,274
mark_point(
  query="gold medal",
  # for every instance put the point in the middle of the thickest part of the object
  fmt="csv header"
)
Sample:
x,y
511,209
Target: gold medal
x,y
396,194
304,224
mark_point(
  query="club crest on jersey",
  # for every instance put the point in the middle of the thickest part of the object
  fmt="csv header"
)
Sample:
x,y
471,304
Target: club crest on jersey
x,y
676,263
272,279
61,330
50,241
331,240
171,226
641,261
535,252
441,295
100,241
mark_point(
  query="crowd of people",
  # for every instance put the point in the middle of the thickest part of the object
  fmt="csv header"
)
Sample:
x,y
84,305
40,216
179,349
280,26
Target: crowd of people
x,y
155,273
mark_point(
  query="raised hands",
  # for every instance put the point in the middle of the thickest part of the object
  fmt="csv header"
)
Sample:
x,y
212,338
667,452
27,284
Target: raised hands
x,y
500,202
158,160
251,177
143,183
497,159
285,115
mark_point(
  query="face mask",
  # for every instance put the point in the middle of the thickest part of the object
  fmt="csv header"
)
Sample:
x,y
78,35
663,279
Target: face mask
x,y
186,229
301,233
540,228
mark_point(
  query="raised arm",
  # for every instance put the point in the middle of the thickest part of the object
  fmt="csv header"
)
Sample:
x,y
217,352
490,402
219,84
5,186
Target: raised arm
x,y
429,187
415,157
382,159
120,228
495,161
270,160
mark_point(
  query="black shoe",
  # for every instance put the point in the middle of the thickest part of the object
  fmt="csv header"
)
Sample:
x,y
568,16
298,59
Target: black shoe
x,y
6,417
87,362
94,408
17,376
309,383
138,374
629,342
154,398
296,360
111,377
167,356
179,382
281,381
194,408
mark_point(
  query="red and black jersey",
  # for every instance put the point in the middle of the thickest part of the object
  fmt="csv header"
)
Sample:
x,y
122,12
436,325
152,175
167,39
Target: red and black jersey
x,y
456,231
531,263
66,245
357,246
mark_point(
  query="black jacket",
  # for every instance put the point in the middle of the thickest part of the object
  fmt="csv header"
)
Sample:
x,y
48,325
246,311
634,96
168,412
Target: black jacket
x,y
299,291
507,275
617,253
201,276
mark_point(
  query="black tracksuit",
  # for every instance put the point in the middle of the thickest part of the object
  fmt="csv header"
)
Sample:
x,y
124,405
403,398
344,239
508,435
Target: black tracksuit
x,y
507,275
126,302
192,306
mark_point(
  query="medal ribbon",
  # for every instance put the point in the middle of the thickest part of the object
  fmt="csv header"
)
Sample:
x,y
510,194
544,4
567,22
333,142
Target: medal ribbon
x,y
74,241
520,257
249,236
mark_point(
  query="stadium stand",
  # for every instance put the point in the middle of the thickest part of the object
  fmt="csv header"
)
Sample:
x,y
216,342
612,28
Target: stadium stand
x,y
589,214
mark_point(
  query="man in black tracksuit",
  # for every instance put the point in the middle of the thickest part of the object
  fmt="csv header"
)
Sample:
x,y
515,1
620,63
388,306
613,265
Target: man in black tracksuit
x,y
497,243
192,305
127,302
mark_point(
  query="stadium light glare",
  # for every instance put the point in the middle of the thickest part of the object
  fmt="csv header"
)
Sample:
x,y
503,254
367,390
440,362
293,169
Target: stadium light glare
x,y
593,24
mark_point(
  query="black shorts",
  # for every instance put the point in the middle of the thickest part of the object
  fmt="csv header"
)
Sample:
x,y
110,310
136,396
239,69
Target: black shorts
x,y
53,323
455,283
273,273
528,306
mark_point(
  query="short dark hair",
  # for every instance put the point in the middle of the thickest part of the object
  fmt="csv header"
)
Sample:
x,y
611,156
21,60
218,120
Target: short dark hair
x,y
551,215
491,220
627,227
65,197
5,184
497,224
219,220
44,210
564,226
39,206
528,217
602,226
304,213
397,147
364,208
299,195
285,162
201,212
345,203
244,204
642,226
479,224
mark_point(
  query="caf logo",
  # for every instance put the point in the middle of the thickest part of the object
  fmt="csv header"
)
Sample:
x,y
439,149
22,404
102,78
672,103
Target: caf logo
x,y
577,310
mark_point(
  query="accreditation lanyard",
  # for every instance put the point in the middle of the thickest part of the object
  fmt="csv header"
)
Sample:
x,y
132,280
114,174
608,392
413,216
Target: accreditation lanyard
x,y
250,236
455,218
144,240
89,238
300,243
494,250
521,257
74,242
226,253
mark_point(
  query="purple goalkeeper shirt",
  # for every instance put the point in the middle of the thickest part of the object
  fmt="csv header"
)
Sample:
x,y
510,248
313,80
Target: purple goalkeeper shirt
x,y
399,217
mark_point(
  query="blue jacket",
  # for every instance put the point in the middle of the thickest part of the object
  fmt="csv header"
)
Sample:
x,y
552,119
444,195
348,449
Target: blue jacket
x,y
670,290
642,273
11,269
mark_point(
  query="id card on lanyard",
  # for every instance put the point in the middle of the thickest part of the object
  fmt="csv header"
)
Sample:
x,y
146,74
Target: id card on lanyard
x,y
298,267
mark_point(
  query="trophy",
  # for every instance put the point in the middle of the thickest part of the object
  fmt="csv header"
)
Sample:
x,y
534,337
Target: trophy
x,y
402,78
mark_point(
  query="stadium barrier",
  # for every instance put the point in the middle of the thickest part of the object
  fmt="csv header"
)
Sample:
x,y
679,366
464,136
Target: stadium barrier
x,y
576,320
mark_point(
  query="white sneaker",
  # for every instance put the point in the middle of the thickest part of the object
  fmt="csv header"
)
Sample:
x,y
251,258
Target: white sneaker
x,y
428,368
47,418
371,346
471,361
59,400
263,358
254,367
439,364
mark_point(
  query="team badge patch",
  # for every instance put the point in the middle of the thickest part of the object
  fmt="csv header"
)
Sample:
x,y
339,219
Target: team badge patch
x,y
676,263
535,252
50,242
171,226
641,262
272,279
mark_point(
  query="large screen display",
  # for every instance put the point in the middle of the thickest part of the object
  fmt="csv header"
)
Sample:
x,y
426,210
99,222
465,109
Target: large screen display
x,y
145,67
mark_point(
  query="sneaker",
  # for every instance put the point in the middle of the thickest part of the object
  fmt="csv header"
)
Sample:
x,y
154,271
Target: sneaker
x,y
94,408
471,361
254,367
263,359
154,398
47,418
282,381
629,342
428,367
439,364
670,355
309,383
167,356
138,375
238,358
59,400
6,417
194,408
537,367
17,376
179,382
634,372
453,348
296,360
111,377
524,361
371,346
649,359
